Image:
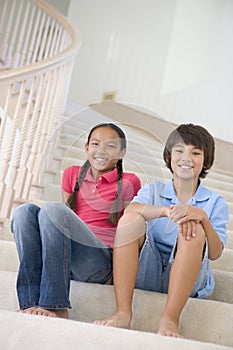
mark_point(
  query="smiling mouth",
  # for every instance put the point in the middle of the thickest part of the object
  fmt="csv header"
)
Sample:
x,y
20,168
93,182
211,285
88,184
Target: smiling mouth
x,y
185,166
100,160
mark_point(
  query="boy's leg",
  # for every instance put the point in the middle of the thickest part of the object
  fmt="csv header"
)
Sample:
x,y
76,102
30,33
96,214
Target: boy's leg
x,y
184,272
129,239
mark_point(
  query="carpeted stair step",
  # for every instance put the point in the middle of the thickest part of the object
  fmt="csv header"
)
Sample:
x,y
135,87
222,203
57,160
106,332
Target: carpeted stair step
x,y
202,320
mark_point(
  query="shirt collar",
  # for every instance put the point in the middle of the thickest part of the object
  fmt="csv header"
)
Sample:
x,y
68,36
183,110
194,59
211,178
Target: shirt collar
x,y
202,193
109,177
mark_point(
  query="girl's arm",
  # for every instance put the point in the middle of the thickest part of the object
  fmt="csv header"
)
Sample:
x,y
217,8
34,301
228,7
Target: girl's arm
x,y
65,196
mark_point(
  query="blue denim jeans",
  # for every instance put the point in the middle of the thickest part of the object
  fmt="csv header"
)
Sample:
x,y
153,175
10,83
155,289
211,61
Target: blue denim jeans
x,y
55,246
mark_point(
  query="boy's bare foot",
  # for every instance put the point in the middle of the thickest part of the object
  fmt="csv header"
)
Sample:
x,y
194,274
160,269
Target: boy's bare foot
x,y
118,320
168,328
35,310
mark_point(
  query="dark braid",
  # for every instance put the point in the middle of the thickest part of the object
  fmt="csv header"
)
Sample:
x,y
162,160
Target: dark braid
x,y
115,209
72,200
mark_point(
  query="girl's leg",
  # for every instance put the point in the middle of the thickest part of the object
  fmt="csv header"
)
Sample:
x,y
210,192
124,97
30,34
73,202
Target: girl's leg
x,y
44,235
25,227
130,236
32,247
69,250
184,272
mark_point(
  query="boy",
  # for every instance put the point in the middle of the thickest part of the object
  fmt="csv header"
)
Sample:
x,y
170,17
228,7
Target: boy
x,y
170,232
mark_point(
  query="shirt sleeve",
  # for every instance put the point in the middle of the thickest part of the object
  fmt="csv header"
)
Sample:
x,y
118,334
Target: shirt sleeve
x,y
145,195
69,178
219,217
131,185
152,193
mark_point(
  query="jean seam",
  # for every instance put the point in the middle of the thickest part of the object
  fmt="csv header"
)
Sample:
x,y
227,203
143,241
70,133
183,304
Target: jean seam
x,y
65,276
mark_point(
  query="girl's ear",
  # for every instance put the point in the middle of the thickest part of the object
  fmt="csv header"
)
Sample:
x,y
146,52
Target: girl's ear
x,y
86,147
122,153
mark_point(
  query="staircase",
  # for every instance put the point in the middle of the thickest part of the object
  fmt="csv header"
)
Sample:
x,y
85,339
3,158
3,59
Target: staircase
x,y
40,135
206,324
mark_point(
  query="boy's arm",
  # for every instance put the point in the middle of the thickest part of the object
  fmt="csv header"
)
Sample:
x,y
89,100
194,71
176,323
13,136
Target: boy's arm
x,y
196,214
149,212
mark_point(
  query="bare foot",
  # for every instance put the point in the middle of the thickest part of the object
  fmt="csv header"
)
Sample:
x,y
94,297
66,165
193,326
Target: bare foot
x,y
35,310
168,328
119,320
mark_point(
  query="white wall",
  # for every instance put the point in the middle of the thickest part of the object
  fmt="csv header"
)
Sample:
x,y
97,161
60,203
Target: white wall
x,y
173,57
61,5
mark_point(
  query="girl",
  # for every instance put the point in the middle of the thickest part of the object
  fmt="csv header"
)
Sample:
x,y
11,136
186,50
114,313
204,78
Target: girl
x,y
56,243
170,232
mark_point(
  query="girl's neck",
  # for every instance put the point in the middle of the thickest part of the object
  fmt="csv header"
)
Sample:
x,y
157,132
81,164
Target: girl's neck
x,y
185,190
95,173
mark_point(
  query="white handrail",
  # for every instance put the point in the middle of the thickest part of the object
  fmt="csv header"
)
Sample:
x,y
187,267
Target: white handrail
x,y
37,52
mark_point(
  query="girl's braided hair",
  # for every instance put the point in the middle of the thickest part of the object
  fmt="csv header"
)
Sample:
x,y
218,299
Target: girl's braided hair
x,y
114,212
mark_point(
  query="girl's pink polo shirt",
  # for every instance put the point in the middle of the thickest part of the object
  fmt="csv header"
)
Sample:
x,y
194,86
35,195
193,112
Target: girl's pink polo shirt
x,y
95,198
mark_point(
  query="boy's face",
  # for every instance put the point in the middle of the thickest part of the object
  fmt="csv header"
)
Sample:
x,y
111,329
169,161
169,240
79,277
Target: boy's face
x,y
186,161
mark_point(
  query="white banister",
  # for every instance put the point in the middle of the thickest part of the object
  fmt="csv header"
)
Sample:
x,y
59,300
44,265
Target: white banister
x,y
35,26
23,28
37,52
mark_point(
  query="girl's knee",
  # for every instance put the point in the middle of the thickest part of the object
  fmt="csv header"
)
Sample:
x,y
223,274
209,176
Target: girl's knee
x,y
22,216
24,211
54,213
52,209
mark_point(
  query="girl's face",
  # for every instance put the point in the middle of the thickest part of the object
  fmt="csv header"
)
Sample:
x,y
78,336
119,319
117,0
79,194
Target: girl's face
x,y
104,150
187,161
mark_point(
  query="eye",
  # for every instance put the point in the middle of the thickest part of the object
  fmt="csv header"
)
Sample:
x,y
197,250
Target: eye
x,y
111,145
197,153
94,143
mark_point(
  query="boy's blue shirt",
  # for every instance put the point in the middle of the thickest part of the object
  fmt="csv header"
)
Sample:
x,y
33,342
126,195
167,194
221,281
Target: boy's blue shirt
x,y
163,230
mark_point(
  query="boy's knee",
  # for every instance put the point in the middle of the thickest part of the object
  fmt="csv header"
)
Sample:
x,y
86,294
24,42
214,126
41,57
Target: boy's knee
x,y
196,242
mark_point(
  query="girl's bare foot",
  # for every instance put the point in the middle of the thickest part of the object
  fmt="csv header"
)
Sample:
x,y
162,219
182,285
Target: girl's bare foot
x,y
35,310
119,320
168,328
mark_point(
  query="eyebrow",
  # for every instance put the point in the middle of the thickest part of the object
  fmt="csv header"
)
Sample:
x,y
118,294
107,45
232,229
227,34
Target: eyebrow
x,y
181,145
110,140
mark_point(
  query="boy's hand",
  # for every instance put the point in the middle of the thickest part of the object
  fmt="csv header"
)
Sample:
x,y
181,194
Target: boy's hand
x,y
181,213
187,229
187,217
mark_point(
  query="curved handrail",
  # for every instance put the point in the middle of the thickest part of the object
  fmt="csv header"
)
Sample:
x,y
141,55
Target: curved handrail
x,y
68,52
36,65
